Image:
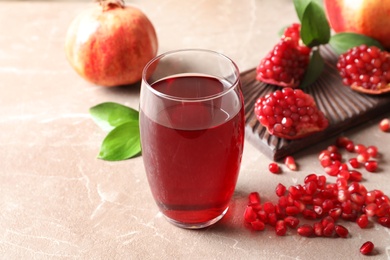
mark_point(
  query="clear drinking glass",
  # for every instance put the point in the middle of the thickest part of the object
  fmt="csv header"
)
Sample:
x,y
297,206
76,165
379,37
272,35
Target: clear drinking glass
x,y
192,134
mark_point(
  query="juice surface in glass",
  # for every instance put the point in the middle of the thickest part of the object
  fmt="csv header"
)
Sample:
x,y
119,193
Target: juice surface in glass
x,y
192,149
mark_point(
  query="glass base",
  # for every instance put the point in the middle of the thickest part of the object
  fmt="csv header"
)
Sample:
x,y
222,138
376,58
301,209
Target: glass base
x,y
196,225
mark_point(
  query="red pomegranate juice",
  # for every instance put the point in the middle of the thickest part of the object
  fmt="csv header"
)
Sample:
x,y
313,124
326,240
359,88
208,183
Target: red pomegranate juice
x,y
192,150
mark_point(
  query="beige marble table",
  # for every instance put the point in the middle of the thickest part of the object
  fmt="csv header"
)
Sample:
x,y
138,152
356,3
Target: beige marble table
x,y
58,201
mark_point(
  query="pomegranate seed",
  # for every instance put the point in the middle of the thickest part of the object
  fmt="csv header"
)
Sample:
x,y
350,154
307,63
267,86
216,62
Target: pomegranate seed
x,y
269,207
310,187
372,151
326,220
280,190
254,198
341,231
292,210
309,214
346,206
358,199
326,161
384,221
280,211
327,205
354,187
362,221
382,210
249,214
256,206
371,166
291,221
335,156
333,169
280,228
311,177
332,148
329,230
274,168
363,157
318,210
355,176
370,197
354,163
272,219
367,248
335,213
289,161
370,209
384,125
305,230
323,154
342,183
350,147
342,141
318,229
258,225
295,192
262,215
359,148
343,174
283,201
321,182
343,195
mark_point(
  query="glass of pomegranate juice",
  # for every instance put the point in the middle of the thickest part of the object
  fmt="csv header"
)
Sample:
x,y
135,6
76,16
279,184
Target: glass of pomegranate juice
x,y
192,134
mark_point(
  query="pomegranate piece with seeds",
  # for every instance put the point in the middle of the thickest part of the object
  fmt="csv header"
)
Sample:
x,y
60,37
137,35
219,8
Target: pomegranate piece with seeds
x,y
286,64
290,114
365,69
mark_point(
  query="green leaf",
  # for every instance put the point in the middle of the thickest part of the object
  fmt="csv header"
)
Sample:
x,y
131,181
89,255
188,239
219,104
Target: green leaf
x,y
108,115
314,70
315,28
300,6
123,142
342,42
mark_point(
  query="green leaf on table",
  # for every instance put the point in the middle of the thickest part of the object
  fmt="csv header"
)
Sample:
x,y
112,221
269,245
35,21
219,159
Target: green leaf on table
x,y
123,142
315,29
342,42
108,115
314,70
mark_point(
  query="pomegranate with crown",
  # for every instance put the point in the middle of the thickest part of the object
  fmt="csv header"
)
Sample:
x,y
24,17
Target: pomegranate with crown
x,y
110,43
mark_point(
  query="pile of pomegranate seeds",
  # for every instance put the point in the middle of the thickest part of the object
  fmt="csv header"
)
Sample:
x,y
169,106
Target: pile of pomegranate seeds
x,y
325,202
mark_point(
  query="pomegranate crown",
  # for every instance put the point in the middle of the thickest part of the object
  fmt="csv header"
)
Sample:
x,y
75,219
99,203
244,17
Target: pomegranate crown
x,y
109,4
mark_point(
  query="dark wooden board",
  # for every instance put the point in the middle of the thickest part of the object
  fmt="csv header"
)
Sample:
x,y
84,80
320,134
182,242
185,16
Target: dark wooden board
x,y
343,107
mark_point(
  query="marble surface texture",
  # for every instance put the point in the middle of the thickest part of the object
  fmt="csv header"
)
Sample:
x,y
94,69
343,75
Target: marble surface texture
x,y
58,201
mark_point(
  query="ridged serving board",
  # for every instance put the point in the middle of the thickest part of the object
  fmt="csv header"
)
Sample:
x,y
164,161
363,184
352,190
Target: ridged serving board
x,y
343,107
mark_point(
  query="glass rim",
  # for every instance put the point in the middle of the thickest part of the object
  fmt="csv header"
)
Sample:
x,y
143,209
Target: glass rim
x,y
233,85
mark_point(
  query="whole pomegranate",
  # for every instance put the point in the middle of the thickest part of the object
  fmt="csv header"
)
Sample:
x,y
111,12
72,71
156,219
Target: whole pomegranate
x,y
109,44
368,17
